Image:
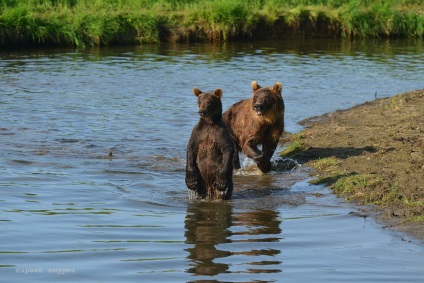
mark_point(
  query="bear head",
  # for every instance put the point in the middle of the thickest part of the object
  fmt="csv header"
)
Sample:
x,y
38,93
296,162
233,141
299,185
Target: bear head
x,y
209,104
266,98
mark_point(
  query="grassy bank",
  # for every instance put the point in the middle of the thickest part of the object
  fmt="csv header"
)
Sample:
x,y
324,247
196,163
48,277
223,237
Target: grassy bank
x,y
372,154
104,22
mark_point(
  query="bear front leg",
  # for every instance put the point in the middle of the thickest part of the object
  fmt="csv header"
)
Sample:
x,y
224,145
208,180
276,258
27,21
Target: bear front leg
x,y
264,163
250,149
192,177
224,177
221,181
227,192
226,173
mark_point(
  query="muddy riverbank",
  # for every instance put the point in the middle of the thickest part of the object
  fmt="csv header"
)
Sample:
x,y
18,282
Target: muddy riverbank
x,y
372,154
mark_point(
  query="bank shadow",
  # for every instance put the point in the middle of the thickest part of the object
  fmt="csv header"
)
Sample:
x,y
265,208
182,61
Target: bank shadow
x,y
316,153
215,233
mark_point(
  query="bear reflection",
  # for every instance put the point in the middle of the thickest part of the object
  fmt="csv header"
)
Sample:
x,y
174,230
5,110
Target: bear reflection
x,y
208,224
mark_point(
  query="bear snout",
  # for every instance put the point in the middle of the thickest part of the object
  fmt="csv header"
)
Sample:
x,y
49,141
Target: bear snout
x,y
201,113
259,108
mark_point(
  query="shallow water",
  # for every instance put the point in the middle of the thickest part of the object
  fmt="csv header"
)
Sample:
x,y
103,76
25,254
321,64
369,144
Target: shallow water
x,y
93,158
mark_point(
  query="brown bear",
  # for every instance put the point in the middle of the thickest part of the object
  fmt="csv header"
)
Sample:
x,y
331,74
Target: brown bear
x,y
210,151
257,121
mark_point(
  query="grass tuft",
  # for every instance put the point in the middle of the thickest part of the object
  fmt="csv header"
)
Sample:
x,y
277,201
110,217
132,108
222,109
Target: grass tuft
x,y
393,104
295,147
325,163
417,218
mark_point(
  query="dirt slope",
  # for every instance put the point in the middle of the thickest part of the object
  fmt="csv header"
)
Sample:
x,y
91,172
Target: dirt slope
x,y
372,154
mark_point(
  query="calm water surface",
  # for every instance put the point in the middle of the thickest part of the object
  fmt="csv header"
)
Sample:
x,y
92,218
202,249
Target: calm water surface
x,y
92,167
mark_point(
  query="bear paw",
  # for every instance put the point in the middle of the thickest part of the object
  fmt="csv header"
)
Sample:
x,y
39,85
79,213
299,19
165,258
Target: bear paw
x,y
191,183
220,184
193,194
264,165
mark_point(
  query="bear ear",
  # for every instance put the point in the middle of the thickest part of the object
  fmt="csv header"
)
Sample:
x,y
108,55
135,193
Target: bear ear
x,y
255,86
197,91
218,92
278,87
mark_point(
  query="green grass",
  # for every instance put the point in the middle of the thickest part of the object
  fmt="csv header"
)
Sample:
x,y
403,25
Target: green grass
x,y
418,218
393,104
103,22
350,185
361,187
295,146
357,186
325,163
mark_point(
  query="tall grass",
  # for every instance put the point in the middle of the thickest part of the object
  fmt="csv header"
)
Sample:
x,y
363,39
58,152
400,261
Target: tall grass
x,y
103,22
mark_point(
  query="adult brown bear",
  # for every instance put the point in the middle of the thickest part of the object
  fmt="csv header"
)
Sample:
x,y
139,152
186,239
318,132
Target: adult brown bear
x,y
257,121
210,151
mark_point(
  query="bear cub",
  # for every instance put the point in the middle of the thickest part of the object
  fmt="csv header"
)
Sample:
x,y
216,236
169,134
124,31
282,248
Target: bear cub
x,y
210,151
258,120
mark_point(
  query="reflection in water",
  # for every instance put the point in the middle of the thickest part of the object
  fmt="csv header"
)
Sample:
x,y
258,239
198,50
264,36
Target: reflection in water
x,y
226,242
207,225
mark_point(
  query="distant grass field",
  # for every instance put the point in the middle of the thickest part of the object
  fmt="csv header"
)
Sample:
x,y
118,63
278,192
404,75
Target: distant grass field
x,y
106,22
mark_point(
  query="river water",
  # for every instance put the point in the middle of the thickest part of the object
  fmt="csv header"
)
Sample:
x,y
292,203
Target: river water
x,y
92,166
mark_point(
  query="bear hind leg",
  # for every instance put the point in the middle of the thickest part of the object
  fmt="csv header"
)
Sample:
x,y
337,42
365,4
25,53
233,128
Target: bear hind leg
x,y
236,160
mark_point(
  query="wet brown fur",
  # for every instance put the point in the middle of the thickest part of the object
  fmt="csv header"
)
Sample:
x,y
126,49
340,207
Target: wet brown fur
x,y
210,151
258,120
